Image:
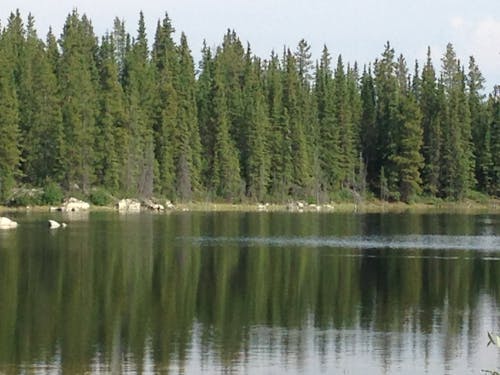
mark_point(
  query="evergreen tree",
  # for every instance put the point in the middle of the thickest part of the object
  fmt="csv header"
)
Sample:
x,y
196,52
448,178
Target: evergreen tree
x,y
479,125
226,168
257,157
295,126
165,61
78,80
206,124
9,117
494,135
139,171
457,163
43,135
368,130
280,137
188,155
110,138
386,84
431,106
329,149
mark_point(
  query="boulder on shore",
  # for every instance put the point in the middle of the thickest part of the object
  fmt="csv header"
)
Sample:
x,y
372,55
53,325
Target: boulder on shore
x,y
6,223
73,204
128,205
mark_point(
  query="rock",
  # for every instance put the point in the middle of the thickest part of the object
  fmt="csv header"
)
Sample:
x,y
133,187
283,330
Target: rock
x,y
153,206
6,223
73,204
129,205
54,224
169,205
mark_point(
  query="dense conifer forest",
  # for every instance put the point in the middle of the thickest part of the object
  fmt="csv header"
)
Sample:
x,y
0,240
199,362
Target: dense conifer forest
x,y
134,116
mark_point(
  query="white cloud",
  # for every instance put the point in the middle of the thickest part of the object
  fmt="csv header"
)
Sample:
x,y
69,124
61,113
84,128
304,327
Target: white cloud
x,y
485,46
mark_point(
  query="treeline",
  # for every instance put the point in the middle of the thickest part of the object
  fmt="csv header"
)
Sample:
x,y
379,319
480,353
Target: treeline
x,y
136,120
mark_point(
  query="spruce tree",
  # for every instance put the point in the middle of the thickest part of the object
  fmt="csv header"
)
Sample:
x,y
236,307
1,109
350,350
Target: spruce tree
x,y
78,80
9,118
431,106
479,125
44,137
110,137
368,130
257,156
188,154
139,171
226,180
165,62
457,155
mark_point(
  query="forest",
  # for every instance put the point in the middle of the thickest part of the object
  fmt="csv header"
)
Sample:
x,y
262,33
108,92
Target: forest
x,y
134,117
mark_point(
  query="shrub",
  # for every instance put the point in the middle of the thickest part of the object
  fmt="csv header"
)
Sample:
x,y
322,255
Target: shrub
x,y
100,197
52,194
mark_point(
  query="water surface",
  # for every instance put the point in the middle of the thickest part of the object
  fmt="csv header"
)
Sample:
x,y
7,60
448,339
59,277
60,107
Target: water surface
x,y
255,293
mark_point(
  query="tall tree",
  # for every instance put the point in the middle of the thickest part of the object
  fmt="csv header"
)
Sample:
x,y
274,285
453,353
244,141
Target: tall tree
x,y
165,61
9,116
368,130
139,172
110,138
457,163
78,79
43,135
226,180
431,106
257,156
479,125
187,157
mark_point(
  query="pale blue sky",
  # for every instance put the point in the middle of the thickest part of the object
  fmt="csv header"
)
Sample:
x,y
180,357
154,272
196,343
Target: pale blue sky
x,y
356,29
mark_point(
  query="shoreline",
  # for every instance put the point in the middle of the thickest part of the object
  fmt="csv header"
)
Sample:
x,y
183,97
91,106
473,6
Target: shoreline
x,y
472,207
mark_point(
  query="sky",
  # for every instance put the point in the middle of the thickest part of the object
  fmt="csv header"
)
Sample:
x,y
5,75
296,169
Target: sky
x,y
356,29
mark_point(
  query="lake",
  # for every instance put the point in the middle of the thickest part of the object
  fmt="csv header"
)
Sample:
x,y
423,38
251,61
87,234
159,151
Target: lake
x,y
250,293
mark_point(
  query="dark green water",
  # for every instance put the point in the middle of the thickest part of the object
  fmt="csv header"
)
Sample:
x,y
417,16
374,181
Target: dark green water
x,y
255,293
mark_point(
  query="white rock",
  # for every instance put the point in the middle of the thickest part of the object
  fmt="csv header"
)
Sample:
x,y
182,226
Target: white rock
x,y
6,223
129,205
73,204
54,224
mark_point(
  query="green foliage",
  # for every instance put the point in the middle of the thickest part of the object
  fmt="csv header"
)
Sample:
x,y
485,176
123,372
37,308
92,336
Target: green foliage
x,y
52,194
116,115
100,197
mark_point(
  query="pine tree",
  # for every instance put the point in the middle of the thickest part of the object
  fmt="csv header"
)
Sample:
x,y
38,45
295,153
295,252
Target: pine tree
x,y
9,118
204,104
165,61
280,140
329,149
368,130
139,171
457,154
110,138
479,125
494,135
386,85
431,105
43,136
257,156
188,155
78,79
226,169
295,125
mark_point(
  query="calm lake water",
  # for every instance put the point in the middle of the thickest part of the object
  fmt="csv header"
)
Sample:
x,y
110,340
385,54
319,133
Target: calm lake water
x,y
250,293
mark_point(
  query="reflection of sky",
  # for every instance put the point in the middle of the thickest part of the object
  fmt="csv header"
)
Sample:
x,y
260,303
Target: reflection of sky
x,y
432,242
309,350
